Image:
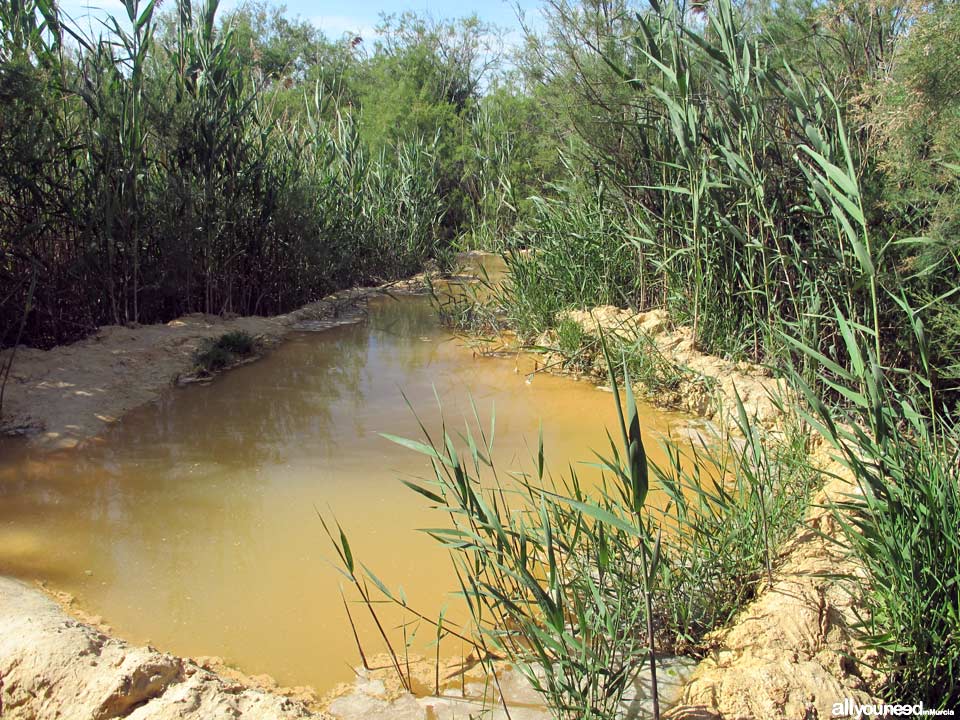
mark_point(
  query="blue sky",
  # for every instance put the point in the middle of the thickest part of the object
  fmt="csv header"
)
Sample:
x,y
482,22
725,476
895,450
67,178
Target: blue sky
x,y
361,15
336,17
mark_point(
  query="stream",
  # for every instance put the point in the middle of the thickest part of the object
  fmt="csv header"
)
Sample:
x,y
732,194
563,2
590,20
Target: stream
x,y
193,524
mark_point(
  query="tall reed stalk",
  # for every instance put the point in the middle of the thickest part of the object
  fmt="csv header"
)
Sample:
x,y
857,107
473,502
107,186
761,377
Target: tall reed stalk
x,y
153,172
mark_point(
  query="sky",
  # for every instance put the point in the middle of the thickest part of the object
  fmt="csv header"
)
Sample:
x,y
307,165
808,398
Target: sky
x,y
336,17
361,16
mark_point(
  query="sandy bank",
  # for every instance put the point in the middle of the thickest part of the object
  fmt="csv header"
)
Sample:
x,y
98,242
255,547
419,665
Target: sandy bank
x,y
789,654
52,666
708,385
61,397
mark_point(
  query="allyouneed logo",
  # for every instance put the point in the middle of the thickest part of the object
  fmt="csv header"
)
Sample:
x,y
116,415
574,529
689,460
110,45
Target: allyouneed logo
x,y
852,709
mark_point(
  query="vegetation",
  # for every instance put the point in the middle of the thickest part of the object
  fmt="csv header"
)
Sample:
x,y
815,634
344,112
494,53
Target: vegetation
x,y
217,353
902,525
758,200
585,585
157,169
780,176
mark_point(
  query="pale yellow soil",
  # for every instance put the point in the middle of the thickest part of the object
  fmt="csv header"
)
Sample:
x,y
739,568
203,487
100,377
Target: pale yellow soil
x,y
710,384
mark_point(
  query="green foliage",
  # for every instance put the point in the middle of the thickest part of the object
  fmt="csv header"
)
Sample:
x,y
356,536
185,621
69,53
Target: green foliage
x,y
511,155
903,523
743,197
735,498
237,342
283,49
211,358
534,567
423,80
581,258
162,171
914,112
570,336
215,354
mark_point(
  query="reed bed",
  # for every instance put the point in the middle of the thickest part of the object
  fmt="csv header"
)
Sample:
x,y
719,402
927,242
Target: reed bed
x,y
149,172
755,214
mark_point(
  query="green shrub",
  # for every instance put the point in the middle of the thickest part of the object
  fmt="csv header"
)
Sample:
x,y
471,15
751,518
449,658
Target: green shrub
x,y
904,523
237,342
210,358
570,337
215,354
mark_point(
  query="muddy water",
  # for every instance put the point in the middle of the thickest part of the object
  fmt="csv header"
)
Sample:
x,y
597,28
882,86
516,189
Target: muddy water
x,y
193,525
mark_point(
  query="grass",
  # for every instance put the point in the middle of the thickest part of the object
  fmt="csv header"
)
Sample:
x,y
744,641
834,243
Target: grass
x,y
167,177
215,354
901,524
571,337
237,342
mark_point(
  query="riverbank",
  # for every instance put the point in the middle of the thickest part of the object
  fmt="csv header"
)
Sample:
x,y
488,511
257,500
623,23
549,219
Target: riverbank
x,y
787,652
69,395
700,384
56,662
53,666
791,652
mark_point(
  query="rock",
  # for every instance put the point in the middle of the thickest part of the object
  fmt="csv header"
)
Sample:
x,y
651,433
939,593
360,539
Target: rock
x,y
52,666
789,654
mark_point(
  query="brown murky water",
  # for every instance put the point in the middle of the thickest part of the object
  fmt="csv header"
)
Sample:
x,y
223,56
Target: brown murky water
x,y
193,524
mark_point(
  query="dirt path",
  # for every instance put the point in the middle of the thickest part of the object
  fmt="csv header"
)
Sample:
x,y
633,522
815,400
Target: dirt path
x,y
62,397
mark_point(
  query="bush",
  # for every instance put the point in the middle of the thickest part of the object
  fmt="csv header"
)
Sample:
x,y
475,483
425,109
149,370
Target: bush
x,y
580,258
215,354
237,342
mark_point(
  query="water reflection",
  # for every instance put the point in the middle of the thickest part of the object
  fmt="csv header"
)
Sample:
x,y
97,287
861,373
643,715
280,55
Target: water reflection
x,y
192,524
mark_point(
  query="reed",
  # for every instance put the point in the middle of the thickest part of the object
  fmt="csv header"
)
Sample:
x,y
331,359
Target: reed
x,y
583,586
534,566
744,215
155,173
901,521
